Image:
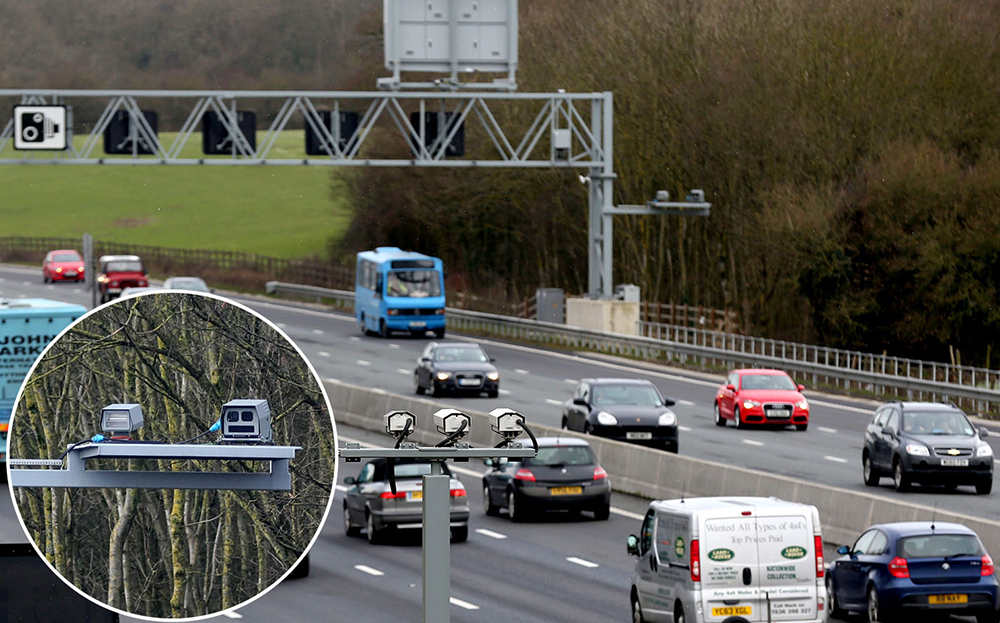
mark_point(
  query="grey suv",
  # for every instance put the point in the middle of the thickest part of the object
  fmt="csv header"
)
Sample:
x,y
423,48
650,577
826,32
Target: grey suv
x,y
926,443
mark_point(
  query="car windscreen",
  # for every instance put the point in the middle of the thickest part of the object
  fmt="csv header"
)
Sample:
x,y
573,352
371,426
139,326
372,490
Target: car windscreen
x,y
181,283
937,423
939,546
413,283
467,355
66,257
123,266
561,455
415,470
767,381
607,395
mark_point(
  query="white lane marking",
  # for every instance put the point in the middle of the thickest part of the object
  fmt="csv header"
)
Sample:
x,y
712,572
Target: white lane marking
x,y
323,353
362,362
504,391
571,381
394,346
629,514
686,403
751,442
341,487
490,533
369,570
516,370
834,405
686,429
318,331
354,338
75,290
403,370
824,429
25,283
835,459
463,604
582,562
553,401
232,615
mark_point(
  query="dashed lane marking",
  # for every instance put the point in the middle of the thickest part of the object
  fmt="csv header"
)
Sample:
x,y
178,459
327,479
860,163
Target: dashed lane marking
x,y
582,562
490,533
751,442
369,570
463,604
835,459
824,429
323,353
552,401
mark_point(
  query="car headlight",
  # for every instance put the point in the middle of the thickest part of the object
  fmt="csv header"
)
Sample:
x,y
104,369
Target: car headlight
x,y
59,269
392,312
750,404
443,376
802,404
984,450
606,419
439,311
667,419
493,376
917,449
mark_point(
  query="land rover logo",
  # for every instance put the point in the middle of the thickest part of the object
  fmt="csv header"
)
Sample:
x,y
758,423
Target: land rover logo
x,y
793,552
679,547
721,555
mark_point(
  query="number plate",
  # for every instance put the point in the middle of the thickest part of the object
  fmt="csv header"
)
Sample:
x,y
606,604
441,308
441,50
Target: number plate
x,y
415,495
417,324
70,273
638,435
468,381
780,413
948,599
954,462
566,490
731,611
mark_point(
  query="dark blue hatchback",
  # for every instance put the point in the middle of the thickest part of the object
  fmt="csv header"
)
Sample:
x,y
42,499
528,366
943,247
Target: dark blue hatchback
x,y
898,570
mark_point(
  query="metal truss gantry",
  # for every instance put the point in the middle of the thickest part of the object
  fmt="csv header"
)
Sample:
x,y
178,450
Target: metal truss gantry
x,y
568,130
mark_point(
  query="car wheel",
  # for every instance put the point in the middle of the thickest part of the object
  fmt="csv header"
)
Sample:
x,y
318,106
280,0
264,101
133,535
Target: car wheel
x,y
983,487
602,513
434,390
349,528
374,535
417,387
801,427
871,475
831,596
562,424
637,611
900,479
719,420
45,278
739,418
516,514
875,612
679,614
992,616
493,394
460,534
491,509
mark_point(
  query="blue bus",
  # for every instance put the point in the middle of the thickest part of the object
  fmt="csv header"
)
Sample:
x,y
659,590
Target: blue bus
x,y
398,290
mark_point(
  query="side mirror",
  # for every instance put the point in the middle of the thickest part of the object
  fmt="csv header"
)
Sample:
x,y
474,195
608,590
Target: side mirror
x,y
669,402
984,432
211,290
843,550
493,359
801,387
731,387
580,401
350,480
632,544
424,360
488,462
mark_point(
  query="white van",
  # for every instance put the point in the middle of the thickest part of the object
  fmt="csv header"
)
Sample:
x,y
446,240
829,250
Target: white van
x,y
728,559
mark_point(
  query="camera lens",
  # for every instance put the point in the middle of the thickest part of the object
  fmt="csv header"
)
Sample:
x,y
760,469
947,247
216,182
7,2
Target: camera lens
x,y
29,133
248,416
233,416
38,117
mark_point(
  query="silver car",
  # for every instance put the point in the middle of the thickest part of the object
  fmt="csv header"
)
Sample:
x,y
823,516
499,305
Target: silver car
x,y
371,505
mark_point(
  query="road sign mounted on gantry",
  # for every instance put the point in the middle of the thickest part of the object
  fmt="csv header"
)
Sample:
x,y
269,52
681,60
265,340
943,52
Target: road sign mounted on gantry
x,y
40,128
454,37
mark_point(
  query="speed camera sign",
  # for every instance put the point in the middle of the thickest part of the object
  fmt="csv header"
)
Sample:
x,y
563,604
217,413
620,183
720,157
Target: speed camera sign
x,y
40,127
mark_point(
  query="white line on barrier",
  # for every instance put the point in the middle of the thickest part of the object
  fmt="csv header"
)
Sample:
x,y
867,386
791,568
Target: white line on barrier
x,y
835,459
582,562
490,533
824,429
464,604
369,570
752,442
362,362
625,513
552,401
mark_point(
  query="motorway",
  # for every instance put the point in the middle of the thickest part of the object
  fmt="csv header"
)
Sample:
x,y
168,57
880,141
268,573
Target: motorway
x,y
523,572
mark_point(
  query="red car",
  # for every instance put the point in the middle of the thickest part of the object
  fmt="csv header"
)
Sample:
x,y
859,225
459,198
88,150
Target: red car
x,y
758,396
117,272
62,265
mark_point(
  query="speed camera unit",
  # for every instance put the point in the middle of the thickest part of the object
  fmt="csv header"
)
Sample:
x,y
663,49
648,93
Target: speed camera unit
x,y
121,419
246,421
448,421
398,422
506,422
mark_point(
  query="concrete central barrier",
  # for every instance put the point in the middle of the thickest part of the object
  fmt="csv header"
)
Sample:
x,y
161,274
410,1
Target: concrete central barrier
x,y
656,474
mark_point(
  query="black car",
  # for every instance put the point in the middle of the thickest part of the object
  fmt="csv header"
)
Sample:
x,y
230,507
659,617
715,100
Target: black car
x,y
927,443
563,476
456,367
629,410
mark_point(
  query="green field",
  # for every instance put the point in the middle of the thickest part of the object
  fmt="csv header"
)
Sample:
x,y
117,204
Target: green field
x,y
281,211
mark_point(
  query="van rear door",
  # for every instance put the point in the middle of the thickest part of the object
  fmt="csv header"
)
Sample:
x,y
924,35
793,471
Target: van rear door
x,y
786,546
729,563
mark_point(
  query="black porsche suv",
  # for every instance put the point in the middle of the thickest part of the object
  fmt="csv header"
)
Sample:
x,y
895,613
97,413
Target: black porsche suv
x,y
926,443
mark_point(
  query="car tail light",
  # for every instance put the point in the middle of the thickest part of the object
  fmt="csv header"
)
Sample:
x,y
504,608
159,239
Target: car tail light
x,y
820,569
3,427
599,473
389,495
898,568
458,493
987,568
524,474
695,561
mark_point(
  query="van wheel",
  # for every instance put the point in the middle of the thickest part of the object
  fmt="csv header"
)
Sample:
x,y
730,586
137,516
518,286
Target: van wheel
x,y
363,326
383,331
637,611
983,487
679,613
439,333
719,420
870,473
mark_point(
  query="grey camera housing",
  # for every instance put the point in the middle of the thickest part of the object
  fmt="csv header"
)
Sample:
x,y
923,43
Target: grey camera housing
x,y
121,418
448,421
395,422
506,422
247,420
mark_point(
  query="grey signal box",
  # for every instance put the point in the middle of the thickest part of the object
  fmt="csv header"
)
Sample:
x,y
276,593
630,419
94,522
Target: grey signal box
x,y
246,421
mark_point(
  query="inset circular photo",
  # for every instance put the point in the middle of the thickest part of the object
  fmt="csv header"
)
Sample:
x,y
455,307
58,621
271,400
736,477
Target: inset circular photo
x,y
172,455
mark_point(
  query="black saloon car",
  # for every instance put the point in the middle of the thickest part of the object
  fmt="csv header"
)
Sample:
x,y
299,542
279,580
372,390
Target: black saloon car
x,y
563,476
456,367
927,443
624,409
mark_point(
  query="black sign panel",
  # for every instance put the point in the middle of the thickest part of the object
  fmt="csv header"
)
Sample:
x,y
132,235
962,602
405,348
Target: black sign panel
x,y
215,139
348,128
456,148
118,136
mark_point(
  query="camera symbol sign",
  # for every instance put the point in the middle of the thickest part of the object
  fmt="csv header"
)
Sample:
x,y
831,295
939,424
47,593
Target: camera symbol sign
x,y
40,127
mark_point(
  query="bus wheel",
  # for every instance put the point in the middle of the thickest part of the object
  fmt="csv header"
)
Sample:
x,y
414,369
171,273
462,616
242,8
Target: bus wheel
x,y
439,333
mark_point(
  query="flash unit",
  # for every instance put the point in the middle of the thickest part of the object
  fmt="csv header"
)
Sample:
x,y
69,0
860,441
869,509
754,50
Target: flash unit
x,y
121,419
